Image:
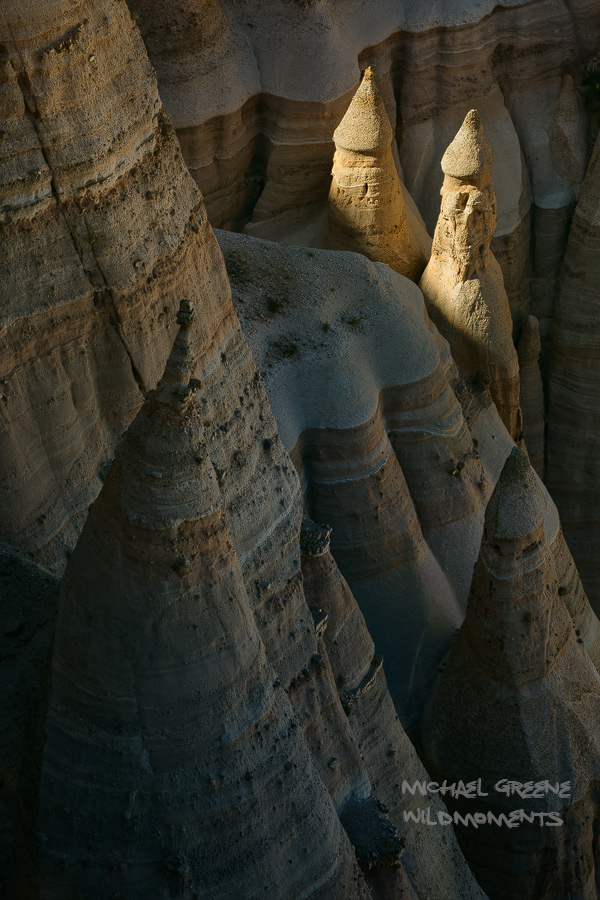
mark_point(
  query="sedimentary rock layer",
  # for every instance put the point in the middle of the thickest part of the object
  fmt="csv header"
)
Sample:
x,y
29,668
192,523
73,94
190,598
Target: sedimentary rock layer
x,y
103,233
518,700
383,448
462,282
367,212
259,141
168,729
573,439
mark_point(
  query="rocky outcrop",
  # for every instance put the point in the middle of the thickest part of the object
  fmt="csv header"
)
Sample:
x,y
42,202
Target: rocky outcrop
x,y
462,282
532,393
573,441
168,728
432,861
104,231
358,379
367,212
518,701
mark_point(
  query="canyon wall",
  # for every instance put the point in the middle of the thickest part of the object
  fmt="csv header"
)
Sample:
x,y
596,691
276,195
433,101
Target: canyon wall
x,y
197,524
217,670
257,134
103,232
572,447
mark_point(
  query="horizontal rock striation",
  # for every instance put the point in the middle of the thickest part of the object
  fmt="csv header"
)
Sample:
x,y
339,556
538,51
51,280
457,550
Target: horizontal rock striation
x,y
104,232
259,142
385,453
167,727
518,700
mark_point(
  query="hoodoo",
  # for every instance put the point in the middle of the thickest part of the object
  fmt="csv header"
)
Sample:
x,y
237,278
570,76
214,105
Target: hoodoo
x,y
367,210
168,730
432,862
463,283
518,700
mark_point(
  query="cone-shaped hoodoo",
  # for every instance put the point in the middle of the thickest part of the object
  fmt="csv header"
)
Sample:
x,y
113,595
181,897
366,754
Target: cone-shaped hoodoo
x,y
367,210
518,701
463,283
168,731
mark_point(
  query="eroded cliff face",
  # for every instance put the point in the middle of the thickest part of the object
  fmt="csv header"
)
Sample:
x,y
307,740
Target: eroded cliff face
x,y
103,232
572,454
191,688
261,145
365,396
214,672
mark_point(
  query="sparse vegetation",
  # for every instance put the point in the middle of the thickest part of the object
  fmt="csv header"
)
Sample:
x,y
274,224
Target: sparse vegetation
x,y
286,346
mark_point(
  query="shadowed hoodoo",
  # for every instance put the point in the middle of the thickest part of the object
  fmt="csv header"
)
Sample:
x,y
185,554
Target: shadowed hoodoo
x,y
519,700
168,730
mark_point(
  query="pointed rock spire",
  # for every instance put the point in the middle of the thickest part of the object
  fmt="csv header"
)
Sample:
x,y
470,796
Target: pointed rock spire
x,y
515,567
431,862
367,209
470,154
348,641
518,701
167,728
463,283
365,127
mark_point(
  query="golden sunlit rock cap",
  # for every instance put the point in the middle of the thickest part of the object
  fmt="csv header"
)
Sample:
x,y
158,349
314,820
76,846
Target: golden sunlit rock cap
x,y
470,154
366,125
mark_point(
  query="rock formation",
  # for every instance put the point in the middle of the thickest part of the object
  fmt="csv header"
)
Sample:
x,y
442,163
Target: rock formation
x,y
573,442
168,730
431,861
367,212
103,232
532,393
258,136
359,384
218,720
518,701
462,283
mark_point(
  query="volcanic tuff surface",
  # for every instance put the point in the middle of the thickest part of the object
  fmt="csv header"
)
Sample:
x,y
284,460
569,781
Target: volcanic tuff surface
x,y
394,450
256,127
367,211
519,699
462,282
214,713
199,491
